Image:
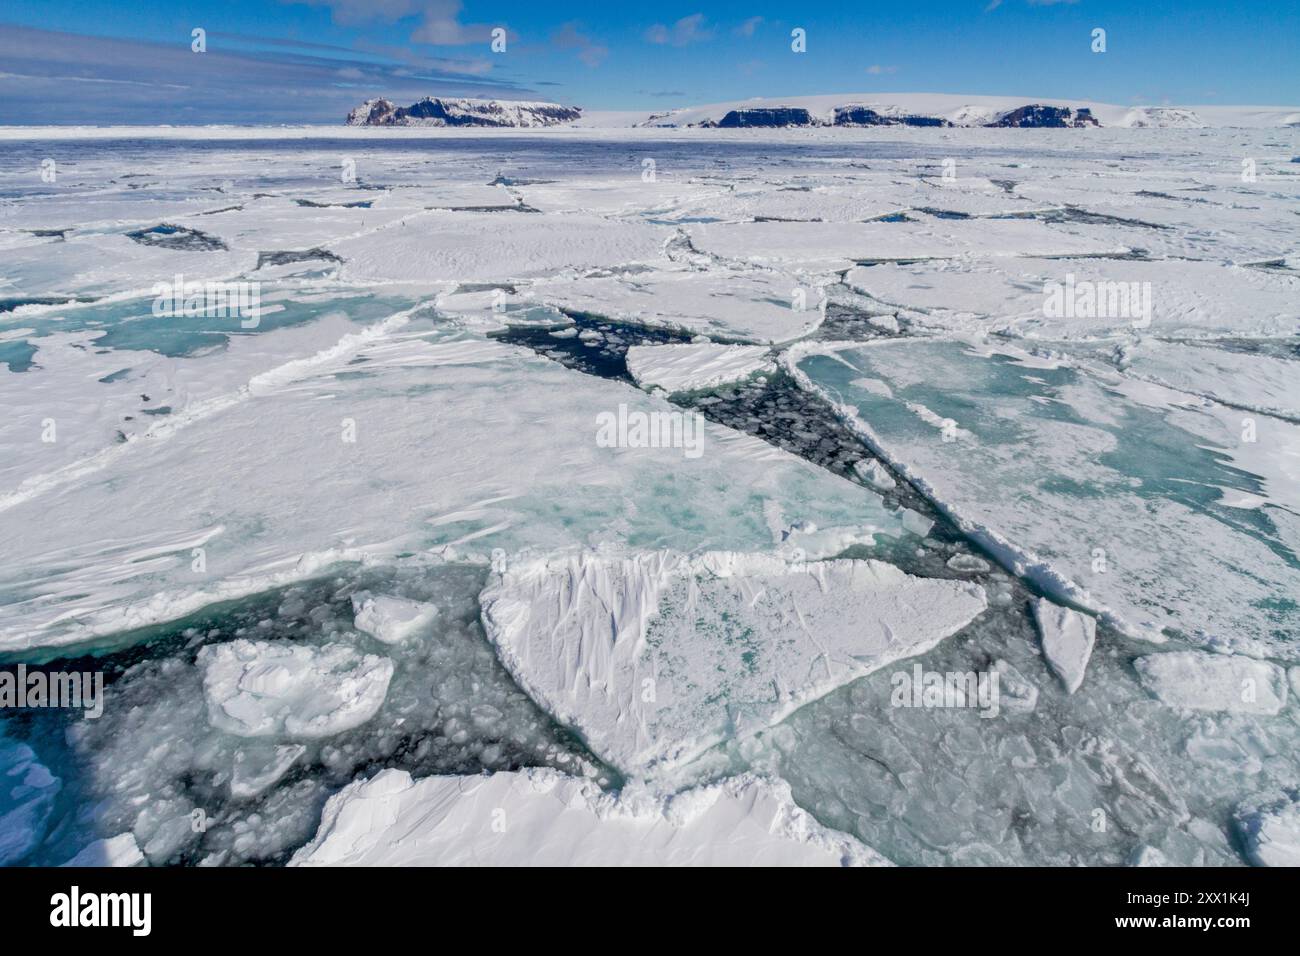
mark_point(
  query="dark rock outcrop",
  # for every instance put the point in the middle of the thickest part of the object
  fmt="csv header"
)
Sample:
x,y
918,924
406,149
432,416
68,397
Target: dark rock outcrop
x,y
864,116
1038,116
766,117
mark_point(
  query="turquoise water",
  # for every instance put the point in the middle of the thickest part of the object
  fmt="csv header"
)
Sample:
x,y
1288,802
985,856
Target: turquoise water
x,y
131,325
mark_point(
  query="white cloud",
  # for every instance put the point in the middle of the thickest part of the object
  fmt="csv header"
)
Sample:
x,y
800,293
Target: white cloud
x,y
690,29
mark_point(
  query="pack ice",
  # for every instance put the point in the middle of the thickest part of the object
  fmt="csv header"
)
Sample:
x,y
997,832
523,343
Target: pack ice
x,y
654,657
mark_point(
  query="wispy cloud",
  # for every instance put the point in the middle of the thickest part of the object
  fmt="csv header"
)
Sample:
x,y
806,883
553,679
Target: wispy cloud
x,y
877,69
747,28
73,78
570,37
690,29
439,25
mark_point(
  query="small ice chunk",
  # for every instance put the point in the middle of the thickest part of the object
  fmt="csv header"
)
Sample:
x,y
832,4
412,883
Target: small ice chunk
x,y
1199,680
121,850
1269,827
1015,691
390,619
1068,638
262,689
257,769
541,817
874,474
968,564
916,523
1148,856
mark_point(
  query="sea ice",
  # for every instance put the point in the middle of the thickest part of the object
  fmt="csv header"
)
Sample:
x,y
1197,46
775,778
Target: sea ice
x,y
654,657
1269,827
1157,510
1198,680
352,419
121,850
27,792
391,619
1067,638
874,473
695,366
260,689
544,818
760,306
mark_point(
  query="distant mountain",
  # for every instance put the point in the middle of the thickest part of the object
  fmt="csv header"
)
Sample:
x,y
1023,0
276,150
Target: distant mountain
x,y
938,109
432,111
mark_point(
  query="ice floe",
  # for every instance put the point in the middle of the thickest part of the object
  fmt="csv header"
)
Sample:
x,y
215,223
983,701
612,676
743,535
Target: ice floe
x,y
1198,680
654,657
1068,637
259,689
391,619
698,365
728,304
543,818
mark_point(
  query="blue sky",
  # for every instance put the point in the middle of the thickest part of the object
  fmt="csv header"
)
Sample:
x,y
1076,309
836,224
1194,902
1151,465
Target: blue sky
x,y
311,60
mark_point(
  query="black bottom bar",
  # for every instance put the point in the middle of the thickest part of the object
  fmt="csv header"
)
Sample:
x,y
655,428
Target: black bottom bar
x,y
260,906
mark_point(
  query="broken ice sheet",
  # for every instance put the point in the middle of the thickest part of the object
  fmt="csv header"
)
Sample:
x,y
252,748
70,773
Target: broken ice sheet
x,y
438,460
155,756
1193,298
654,657
837,246
1113,495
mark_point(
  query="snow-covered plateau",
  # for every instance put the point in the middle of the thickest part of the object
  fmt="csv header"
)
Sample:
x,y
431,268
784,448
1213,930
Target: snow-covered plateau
x,y
723,487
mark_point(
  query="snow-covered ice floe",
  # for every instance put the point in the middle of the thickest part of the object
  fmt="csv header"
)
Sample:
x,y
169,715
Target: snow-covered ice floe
x,y
654,657
694,366
544,818
391,619
734,304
